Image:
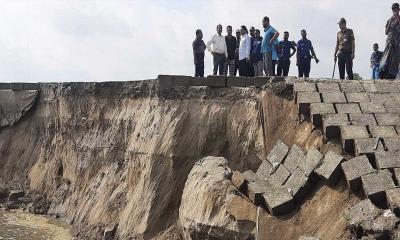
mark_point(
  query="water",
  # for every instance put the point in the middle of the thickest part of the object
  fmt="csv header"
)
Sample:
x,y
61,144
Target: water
x,y
17,225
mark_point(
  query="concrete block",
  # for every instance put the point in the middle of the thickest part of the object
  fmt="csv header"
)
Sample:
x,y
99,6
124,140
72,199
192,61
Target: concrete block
x,y
397,175
294,158
353,132
331,125
265,170
5,86
385,160
216,81
250,81
239,181
250,176
308,97
278,153
362,119
383,131
357,97
371,107
393,200
370,87
392,107
351,87
277,79
348,108
367,145
278,200
31,86
235,82
317,110
16,86
298,185
375,185
256,190
280,176
354,169
165,81
290,81
260,81
363,213
198,81
387,119
333,97
311,161
328,87
329,169
304,87
386,87
379,97
181,81
392,144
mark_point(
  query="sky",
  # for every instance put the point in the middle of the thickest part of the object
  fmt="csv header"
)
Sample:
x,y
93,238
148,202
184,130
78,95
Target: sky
x,y
116,40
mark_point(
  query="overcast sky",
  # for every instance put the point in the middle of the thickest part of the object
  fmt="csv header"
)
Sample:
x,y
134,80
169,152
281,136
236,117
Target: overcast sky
x,y
86,40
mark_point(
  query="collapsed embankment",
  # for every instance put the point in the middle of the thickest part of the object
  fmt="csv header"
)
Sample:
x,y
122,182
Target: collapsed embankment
x,y
118,155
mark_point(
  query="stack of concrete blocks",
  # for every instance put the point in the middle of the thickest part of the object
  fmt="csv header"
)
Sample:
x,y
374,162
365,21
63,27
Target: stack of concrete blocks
x,y
286,176
172,81
365,116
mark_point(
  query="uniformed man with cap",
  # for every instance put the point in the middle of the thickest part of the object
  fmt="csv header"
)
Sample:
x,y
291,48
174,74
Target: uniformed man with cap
x,y
345,50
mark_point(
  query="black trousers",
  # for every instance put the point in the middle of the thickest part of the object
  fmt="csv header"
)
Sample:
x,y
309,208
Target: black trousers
x,y
345,63
244,68
304,68
283,67
219,63
199,69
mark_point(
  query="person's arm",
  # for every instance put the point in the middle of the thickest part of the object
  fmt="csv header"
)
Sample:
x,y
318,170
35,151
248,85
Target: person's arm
x,y
353,45
372,61
294,50
297,57
248,49
388,26
337,48
226,49
212,41
313,53
276,35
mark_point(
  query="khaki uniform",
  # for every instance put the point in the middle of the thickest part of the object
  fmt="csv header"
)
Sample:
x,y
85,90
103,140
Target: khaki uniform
x,y
345,40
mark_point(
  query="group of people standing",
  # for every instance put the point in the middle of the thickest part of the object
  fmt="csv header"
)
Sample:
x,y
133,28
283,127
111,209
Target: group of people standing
x,y
256,54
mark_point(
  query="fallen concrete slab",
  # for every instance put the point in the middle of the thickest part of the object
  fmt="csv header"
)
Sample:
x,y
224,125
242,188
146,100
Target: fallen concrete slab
x,y
265,170
329,169
375,184
354,169
385,160
297,185
393,200
311,161
294,158
278,200
280,176
278,153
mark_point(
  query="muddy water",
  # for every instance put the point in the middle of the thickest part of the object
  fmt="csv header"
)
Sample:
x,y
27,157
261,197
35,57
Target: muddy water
x,y
17,225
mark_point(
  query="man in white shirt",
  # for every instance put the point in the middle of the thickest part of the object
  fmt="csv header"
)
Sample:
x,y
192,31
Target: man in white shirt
x,y
218,50
244,53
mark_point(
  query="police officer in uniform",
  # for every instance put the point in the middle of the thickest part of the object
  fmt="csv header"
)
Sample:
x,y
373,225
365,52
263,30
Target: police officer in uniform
x,y
305,52
345,50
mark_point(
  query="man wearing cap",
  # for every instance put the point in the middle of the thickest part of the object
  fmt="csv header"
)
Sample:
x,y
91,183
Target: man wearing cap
x,y
218,50
345,50
270,34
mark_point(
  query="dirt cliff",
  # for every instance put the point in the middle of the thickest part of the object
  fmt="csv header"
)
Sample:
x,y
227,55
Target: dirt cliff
x,y
118,154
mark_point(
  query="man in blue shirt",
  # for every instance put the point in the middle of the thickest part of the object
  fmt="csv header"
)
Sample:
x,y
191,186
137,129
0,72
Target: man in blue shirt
x,y
284,54
305,51
376,61
270,34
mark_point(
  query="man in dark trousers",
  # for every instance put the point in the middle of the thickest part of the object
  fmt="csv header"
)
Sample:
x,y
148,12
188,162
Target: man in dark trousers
x,y
284,55
376,61
238,37
256,56
231,48
345,50
252,40
244,53
305,52
198,52
218,50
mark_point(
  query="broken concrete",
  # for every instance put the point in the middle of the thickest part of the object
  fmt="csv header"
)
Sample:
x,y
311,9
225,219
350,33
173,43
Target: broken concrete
x,y
385,160
297,184
354,169
15,104
280,176
393,200
294,158
375,184
278,200
329,169
278,153
311,161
